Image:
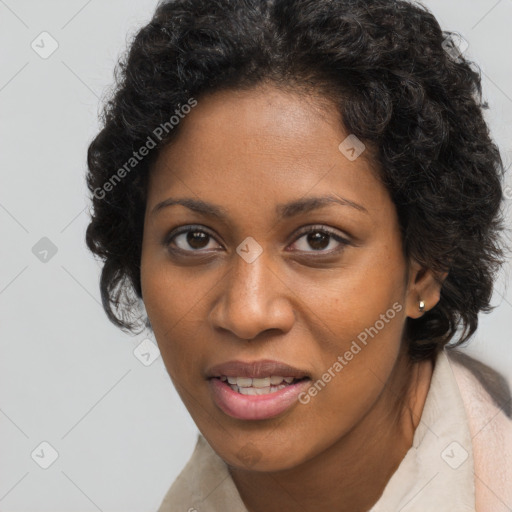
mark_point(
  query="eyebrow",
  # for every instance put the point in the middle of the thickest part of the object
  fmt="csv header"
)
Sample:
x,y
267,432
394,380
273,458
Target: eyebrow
x,y
283,211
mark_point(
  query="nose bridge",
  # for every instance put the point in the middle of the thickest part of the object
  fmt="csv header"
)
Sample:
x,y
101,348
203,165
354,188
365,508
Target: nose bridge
x,y
247,276
253,299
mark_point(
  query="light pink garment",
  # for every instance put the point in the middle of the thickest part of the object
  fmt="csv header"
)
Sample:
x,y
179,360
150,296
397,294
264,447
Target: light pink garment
x,y
485,398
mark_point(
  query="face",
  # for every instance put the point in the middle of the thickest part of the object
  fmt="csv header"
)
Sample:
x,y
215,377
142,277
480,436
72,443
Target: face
x,y
251,278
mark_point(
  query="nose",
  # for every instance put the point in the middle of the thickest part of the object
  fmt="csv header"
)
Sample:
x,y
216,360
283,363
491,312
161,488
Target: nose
x,y
253,299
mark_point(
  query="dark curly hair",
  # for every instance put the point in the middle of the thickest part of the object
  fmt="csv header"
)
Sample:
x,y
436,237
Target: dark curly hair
x,y
399,84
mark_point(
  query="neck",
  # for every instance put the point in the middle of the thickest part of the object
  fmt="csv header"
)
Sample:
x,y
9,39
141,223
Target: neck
x,y
350,475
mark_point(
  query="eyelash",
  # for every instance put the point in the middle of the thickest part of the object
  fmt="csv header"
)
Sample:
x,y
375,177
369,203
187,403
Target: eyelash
x,y
311,229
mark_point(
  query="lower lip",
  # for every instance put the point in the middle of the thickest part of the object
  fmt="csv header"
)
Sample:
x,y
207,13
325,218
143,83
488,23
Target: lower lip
x,y
255,407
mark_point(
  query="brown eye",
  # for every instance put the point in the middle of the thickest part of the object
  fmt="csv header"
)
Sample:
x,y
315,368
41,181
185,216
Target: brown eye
x,y
319,239
190,239
197,239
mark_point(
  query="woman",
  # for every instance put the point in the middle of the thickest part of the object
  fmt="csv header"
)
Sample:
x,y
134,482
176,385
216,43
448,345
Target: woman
x,y
305,197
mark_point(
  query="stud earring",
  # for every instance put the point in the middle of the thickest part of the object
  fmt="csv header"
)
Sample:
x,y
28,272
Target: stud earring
x,y
421,306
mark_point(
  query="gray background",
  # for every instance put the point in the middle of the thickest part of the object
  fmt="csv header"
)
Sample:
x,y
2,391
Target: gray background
x,y
67,376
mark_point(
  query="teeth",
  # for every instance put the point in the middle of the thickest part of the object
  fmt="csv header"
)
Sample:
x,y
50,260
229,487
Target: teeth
x,y
261,383
243,382
255,391
265,382
260,386
258,391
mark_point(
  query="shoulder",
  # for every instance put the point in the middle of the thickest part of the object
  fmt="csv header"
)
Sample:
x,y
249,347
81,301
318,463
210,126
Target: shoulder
x,y
488,384
203,485
488,404
178,495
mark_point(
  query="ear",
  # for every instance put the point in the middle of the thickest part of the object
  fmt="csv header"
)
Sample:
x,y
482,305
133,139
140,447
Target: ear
x,y
424,285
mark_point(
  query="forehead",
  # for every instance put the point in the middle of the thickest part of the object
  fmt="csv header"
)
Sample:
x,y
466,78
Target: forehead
x,y
263,146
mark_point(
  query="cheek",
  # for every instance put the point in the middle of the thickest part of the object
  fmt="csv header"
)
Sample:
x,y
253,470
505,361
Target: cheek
x,y
363,315
367,293
169,301
170,293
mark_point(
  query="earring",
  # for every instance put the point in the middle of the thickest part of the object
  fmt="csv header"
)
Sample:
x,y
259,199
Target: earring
x,y
421,306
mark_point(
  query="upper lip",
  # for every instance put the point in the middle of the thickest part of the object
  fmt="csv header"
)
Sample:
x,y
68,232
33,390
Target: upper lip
x,y
255,369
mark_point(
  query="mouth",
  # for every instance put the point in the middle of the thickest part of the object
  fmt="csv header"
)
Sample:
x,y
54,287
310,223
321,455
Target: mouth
x,y
257,390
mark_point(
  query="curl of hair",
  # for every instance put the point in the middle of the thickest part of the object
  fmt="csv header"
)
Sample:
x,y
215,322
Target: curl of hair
x,y
398,85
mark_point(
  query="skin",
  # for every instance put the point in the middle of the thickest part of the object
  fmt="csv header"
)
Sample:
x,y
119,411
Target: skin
x,y
299,302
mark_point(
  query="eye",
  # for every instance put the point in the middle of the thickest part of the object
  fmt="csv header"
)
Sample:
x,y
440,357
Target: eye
x,y
319,238
189,239
195,238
